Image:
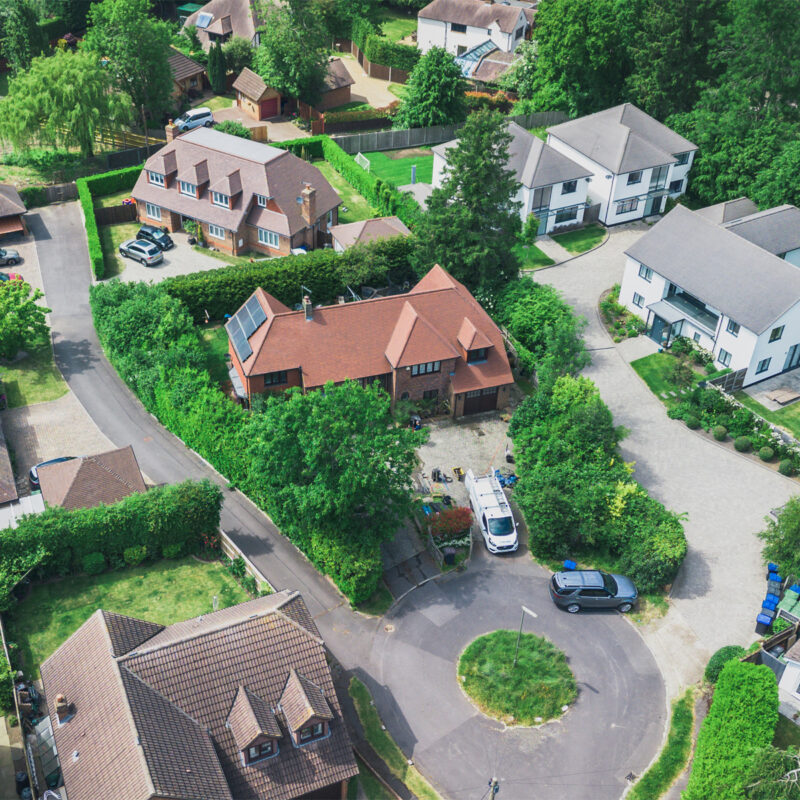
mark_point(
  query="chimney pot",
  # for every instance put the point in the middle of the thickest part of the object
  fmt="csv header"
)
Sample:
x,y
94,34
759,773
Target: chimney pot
x,y
309,205
308,308
170,131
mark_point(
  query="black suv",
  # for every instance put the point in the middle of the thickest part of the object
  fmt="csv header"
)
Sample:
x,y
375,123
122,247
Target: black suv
x,y
155,236
592,588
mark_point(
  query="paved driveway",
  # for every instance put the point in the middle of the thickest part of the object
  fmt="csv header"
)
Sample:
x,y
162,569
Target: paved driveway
x,y
366,89
719,588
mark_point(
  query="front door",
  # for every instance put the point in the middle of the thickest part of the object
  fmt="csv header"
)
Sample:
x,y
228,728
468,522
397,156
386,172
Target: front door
x,y
659,331
653,205
793,359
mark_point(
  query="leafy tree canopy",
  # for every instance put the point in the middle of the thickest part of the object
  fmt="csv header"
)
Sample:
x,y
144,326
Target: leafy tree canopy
x,y
234,128
22,320
21,36
782,538
238,54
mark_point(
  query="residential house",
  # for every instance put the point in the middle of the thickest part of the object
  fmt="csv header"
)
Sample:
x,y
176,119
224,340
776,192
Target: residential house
x,y
187,75
461,25
729,282
434,343
552,186
12,210
238,703
88,481
485,63
254,97
245,195
366,230
219,20
336,88
635,161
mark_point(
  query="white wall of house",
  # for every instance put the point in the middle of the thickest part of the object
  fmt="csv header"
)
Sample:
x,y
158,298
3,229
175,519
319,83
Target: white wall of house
x,y
558,200
793,257
790,680
777,351
436,33
337,246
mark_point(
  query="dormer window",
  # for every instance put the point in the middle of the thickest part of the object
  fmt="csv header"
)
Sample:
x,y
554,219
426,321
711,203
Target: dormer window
x,y
478,355
189,189
261,200
155,178
220,199
311,732
263,750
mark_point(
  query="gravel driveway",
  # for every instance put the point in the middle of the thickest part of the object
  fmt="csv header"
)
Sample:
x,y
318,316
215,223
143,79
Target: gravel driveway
x,y
718,591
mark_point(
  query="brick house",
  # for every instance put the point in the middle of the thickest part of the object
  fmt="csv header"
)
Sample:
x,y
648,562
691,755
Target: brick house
x,y
433,343
239,703
336,87
254,97
187,75
245,195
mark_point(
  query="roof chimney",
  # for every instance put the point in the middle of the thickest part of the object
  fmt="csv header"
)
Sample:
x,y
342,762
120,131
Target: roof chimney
x,y
170,131
308,309
309,197
63,711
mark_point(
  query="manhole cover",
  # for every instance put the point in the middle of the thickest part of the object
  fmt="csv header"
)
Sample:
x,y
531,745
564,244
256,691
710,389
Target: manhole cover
x,y
389,628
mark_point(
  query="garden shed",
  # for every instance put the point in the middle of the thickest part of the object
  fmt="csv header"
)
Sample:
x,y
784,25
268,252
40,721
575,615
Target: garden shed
x,y
254,97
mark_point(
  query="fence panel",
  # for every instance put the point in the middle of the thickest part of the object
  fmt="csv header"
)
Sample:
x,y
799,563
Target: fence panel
x,y
114,214
60,192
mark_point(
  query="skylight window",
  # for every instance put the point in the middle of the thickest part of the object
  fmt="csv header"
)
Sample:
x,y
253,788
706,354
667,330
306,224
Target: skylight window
x,y
204,19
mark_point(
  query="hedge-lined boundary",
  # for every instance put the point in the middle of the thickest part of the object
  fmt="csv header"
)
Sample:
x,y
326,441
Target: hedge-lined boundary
x,y
96,186
741,722
379,50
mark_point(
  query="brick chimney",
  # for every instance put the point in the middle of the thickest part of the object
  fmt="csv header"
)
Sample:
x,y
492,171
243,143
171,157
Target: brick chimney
x,y
62,709
170,131
308,309
309,210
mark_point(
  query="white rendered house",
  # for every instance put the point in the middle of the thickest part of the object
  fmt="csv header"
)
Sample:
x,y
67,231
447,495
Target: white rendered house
x,y
552,187
635,161
708,275
461,25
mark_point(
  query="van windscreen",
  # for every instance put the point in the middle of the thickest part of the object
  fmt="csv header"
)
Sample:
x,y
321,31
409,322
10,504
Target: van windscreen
x,y
501,526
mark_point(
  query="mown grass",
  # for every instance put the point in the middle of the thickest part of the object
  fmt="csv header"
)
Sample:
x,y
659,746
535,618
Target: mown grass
x,y
396,24
378,604
398,169
655,369
531,257
581,240
675,754
214,340
215,103
787,417
533,691
372,788
164,592
33,379
111,237
357,206
385,746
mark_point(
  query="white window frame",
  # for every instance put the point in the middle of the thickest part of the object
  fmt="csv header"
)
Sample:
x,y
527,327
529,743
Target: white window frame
x,y
622,203
220,199
724,357
153,211
185,186
645,273
216,232
269,238
638,300
261,200
156,178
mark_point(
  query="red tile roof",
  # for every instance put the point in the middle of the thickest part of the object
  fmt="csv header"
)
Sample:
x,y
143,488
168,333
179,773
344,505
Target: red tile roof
x,y
370,337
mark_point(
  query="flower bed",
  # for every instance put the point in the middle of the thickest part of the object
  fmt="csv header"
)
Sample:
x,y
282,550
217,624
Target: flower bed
x,y
619,322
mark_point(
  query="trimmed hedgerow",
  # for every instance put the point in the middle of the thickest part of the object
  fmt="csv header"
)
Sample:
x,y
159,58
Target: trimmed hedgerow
x,y
741,722
715,664
380,50
308,149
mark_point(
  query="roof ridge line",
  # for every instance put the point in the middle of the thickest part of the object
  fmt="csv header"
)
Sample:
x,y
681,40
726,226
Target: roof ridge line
x,y
317,639
119,477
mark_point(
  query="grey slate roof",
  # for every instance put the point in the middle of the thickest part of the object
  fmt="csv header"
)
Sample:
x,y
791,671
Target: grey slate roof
x,y
622,139
776,229
337,76
724,270
729,210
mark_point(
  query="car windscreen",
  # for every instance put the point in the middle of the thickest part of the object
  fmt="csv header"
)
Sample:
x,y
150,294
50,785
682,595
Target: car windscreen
x,y
2,252
501,526
609,583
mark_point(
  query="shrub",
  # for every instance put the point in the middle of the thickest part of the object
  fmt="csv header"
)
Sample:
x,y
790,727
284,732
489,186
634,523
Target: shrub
x,y
681,346
33,196
451,522
720,433
766,453
380,50
94,563
134,555
234,128
236,567
360,114
171,550
307,149
710,368
680,374
715,664
53,28
786,467
692,423
249,585
6,685
743,444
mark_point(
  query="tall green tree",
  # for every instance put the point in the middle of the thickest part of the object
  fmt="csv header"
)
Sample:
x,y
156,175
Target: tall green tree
x,y
781,538
238,54
777,182
136,45
434,93
62,101
473,216
293,54
21,36
521,75
22,320
217,69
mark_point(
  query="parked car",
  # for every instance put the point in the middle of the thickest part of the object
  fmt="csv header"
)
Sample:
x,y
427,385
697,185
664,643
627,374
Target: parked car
x,y
145,252
149,233
592,588
33,475
194,118
9,257
10,276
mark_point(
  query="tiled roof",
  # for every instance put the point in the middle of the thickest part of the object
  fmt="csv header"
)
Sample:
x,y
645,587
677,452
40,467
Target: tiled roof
x,y
776,230
127,633
368,230
88,481
205,155
302,700
337,77
10,201
251,717
250,84
622,139
474,13
362,339
243,20
729,210
154,722
182,66
470,338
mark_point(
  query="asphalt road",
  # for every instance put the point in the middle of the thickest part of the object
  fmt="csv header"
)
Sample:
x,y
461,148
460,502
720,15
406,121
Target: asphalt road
x,y
614,728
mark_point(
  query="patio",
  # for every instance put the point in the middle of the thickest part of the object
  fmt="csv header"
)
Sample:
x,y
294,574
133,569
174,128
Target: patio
x,y
786,380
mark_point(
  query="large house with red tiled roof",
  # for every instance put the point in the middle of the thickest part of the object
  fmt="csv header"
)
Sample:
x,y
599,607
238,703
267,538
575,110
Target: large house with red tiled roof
x,y
433,343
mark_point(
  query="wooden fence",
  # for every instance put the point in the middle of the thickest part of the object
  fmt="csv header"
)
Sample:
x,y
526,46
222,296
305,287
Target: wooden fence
x,y
380,71
230,549
114,214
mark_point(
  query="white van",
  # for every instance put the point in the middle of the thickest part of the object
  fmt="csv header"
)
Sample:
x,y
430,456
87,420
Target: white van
x,y
490,505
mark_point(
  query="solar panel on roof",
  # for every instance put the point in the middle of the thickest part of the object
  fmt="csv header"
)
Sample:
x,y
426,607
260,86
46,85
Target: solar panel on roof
x,y
256,311
246,321
242,346
204,19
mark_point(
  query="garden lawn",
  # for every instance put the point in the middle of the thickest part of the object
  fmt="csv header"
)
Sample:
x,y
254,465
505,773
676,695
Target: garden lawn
x,y
357,207
367,785
111,237
108,200
214,340
654,369
397,89
164,592
787,734
581,240
395,165
787,417
540,132
386,747
353,105
33,379
215,103
533,691
378,604
531,257
396,25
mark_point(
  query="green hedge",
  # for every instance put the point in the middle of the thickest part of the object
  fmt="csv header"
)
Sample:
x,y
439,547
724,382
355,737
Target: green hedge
x,y
179,514
361,114
730,652
308,148
379,50
54,28
117,180
33,196
741,722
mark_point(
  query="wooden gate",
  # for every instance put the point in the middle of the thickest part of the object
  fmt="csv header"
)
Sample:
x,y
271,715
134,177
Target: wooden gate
x,y
591,214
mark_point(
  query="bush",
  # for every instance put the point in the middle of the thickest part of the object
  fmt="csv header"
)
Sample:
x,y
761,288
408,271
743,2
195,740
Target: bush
x,y
766,453
236,567
786,467
134,555
249,585
451,522
743,444
308,149
233,128
715,664
171,551
680,374
94,563
33,196
360,114
477,101
53,29
380,50
6,686
720,433
681,346
710,369
692,423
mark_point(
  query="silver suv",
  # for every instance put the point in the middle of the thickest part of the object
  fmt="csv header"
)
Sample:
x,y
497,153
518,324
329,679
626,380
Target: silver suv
x,y
592,588
139,250
194,118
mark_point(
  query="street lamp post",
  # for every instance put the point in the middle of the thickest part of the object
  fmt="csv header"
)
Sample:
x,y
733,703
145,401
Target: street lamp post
x,y
519,635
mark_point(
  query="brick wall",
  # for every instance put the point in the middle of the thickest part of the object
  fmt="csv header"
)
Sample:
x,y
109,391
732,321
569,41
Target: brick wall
x,y
255,383
415,385
334,98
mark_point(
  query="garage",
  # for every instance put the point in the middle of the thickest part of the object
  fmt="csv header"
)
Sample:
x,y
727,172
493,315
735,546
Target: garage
x,y
480,400
269,108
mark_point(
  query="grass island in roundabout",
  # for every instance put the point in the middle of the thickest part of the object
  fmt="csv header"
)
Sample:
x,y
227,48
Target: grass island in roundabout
x,y
535,690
